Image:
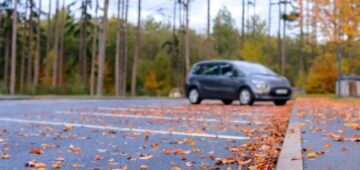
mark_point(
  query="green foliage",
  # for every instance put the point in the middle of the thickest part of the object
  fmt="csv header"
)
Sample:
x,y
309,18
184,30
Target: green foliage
x,y
3,89
224,34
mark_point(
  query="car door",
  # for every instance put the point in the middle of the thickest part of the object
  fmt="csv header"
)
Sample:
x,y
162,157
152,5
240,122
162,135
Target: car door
x,y
227,81
210,80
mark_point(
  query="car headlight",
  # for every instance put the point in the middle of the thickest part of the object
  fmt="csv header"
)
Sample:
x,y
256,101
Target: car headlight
x,y
261,86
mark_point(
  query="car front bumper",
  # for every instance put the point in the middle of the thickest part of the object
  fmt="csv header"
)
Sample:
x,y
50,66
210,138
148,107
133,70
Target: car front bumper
x,y
272,95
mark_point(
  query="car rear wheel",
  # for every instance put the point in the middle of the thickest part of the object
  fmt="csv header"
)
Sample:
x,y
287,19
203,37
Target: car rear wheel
x,y
194,96
280,102
227,102
246,97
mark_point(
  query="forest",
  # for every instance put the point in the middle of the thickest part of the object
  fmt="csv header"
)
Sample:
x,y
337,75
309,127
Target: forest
x,y
82,50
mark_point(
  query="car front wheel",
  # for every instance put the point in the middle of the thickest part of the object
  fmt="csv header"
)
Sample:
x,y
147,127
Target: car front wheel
x,y
194,96
246,97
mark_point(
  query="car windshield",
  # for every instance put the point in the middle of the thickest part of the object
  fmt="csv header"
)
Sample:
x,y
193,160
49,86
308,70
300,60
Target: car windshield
x,y
252,68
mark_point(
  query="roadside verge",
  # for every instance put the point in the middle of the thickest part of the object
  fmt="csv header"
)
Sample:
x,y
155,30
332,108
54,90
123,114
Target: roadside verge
x,y
290,155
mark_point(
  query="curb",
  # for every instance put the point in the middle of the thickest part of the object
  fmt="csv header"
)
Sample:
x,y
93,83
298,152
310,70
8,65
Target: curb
x,y
291,155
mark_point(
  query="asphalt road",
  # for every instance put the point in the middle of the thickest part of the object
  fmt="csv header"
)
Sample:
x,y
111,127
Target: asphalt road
x,y
158,133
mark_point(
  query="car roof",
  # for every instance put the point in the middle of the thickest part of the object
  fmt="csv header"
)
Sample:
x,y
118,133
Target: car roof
x,y
224,61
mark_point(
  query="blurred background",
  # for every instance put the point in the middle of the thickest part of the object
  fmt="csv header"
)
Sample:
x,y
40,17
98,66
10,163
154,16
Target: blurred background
x,y
146,47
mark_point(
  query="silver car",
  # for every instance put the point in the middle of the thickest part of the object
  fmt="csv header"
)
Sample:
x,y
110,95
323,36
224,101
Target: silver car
x,y
236,80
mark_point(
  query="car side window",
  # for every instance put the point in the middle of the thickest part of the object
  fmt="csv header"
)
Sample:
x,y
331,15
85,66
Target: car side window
x,y
212,69
198,70
225,69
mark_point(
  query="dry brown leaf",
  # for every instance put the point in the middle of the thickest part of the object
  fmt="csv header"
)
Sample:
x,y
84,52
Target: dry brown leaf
x,y
35,151
146,157
56,166
144,167
4,156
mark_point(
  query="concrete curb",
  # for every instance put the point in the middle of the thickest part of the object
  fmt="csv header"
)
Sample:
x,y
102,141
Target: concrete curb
x,y
291,155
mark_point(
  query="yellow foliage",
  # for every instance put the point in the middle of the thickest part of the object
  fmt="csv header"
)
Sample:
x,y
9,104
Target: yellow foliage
x,y
151,84
253,51
323,74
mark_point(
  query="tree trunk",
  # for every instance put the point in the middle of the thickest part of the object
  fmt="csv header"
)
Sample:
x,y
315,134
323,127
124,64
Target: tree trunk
x,y
83,42
208,20
48,41
56,47
283,45
243,23
125,48
94,51
187,39
102,49
23,52
136,52
269,19
301,36
13,49
7,58
61,48
30,48
37,55
118,51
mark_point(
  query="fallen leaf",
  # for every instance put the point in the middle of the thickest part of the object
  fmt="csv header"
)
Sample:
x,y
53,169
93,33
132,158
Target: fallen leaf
x,y
178,152
98,157
40,165
311,155
294,158
56,166
354,126
144,167
146,157
74,149
4,156
35,151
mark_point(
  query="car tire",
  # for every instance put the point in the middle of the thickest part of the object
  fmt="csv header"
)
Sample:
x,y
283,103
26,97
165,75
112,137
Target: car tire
x,y
227,102
246,97
280,102
194,96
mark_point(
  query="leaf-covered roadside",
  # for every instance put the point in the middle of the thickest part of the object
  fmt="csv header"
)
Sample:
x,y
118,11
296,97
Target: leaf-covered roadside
x,y
330,129
64,147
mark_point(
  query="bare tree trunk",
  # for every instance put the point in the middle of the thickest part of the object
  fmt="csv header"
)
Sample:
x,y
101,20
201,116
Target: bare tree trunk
x,y
208,20
24,51
283,45
301,36
125,47
270,16
61,50
118,50
136,52
48,40
56,47
243,23
30,47
94,51
279,35
7,58
83,42
187,39
102,49
37,55
13,49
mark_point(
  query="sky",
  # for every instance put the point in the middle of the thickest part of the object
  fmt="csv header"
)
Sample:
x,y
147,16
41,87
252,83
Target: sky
x,y
198,11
